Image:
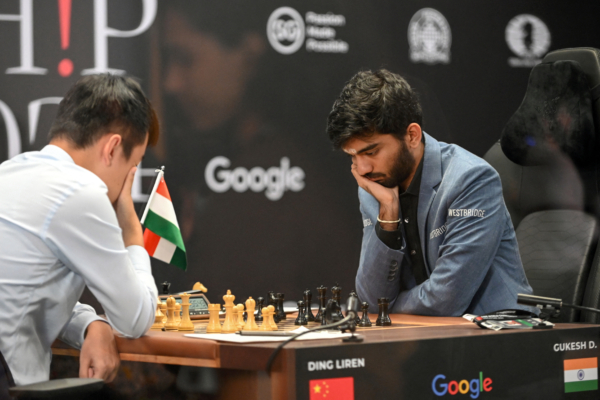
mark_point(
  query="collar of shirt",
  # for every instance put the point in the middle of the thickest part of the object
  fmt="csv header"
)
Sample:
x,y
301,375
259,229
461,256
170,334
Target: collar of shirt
x,y
415,184
57,153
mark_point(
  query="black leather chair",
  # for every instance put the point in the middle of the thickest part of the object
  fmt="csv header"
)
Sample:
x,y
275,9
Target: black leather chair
x,y
548,161
70,388
589,60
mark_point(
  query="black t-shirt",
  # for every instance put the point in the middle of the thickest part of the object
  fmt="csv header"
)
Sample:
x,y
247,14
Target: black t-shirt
x,y
409,203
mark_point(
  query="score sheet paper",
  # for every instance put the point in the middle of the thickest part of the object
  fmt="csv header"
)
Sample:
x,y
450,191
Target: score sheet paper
x,y
235,338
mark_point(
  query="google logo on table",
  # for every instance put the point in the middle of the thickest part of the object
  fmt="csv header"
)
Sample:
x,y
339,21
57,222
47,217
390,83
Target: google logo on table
x,y
474,386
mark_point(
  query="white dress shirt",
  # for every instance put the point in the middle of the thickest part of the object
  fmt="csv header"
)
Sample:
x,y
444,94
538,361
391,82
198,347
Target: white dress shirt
x,y
59,233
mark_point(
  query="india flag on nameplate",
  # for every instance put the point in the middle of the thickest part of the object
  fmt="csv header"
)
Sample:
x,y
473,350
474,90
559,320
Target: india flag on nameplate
x,y
581,374
162,237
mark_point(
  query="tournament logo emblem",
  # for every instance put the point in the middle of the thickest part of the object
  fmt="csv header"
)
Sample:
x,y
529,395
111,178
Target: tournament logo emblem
x,y
285,30
529,38
429,37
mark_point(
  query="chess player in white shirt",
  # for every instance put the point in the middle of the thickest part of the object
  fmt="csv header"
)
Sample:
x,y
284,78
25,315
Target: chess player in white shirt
x,y
66,221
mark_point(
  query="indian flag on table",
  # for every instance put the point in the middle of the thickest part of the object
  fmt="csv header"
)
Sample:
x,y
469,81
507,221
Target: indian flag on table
x,y
162,237
581,374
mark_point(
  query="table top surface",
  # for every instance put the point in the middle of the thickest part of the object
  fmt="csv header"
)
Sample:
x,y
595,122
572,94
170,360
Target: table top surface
x,y
172,347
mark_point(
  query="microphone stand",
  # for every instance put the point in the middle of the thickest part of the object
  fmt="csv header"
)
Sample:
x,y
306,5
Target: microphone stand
x,y
550,304
351,327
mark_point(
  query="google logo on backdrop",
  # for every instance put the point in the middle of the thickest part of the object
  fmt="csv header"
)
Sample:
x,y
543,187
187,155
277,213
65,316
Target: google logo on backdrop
x,y
475,386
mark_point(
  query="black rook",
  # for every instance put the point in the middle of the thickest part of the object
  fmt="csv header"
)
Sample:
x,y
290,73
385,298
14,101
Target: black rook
x,y
383,319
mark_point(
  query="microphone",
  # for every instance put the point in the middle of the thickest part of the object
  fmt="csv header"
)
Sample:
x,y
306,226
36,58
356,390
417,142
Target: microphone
x,y
530,300
557,304
346,323
352,307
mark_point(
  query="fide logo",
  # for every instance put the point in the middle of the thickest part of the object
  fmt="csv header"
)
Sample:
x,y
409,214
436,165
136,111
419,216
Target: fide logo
x,y
429,37
285,30
529,38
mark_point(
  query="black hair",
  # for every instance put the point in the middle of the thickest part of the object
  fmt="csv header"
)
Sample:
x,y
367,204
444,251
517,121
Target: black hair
x,y
99,104
379,101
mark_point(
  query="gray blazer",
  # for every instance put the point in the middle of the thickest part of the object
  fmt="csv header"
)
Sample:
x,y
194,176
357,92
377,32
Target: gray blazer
x,y
468,241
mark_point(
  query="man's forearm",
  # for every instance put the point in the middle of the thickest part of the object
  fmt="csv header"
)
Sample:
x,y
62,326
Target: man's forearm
x,y
132,231
389,210
379,271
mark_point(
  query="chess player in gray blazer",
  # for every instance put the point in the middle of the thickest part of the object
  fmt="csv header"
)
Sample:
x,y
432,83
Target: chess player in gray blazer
x,y
437,237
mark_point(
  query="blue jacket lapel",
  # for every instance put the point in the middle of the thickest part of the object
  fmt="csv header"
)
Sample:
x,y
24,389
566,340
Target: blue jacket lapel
x,y
431,178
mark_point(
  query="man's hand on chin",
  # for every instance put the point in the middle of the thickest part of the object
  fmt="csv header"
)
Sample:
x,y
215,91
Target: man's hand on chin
x,y
126,215
99,355
389,204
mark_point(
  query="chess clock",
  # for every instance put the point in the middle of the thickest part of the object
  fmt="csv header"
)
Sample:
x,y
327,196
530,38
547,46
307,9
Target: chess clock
x,y
198,303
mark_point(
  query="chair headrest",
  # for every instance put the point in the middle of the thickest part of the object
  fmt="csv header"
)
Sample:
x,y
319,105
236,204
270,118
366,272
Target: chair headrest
x,y
554,117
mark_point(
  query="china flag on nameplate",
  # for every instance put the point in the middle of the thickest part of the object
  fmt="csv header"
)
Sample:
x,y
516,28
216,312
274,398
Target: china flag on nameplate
x,y
332,389
162,237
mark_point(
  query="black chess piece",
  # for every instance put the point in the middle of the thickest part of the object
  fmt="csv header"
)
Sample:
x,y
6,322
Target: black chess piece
x,y
308,301
383,319
365,322
301,320
336,296
279,308
272,301
259,306
322,290
165,287
332,312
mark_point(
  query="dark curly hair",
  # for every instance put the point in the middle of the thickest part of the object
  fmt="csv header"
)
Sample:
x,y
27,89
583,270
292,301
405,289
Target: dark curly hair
x,y
378,101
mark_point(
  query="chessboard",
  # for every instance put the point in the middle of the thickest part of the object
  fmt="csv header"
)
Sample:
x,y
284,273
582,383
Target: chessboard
x,y
288,324
173,315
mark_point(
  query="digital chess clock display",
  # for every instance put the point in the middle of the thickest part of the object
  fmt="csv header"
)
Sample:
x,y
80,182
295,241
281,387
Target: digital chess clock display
x,y
198,304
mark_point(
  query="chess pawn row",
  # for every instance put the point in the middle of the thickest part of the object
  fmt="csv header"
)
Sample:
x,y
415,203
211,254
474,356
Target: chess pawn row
x,y
268,320
302,319
163,310
169,315
177,312
272,313
171,324
240,316
159,317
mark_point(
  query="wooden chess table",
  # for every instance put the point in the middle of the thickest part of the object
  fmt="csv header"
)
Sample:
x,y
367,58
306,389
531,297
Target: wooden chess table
x,y
417,357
